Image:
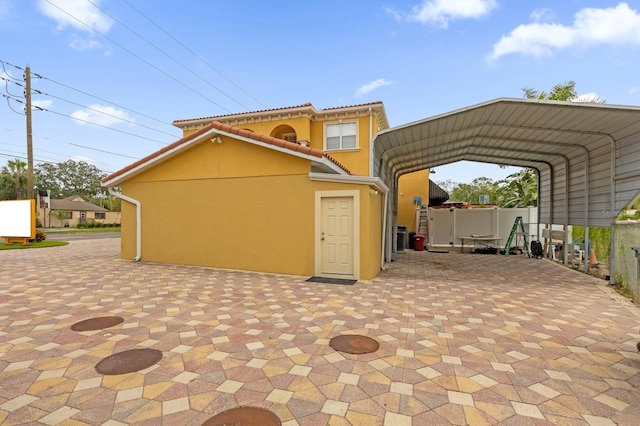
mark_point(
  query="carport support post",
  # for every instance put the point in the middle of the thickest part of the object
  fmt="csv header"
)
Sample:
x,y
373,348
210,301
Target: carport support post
x,y
586,249
637,252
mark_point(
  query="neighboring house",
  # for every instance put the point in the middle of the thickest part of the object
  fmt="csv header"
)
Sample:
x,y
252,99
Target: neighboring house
x,y
285,190
76,210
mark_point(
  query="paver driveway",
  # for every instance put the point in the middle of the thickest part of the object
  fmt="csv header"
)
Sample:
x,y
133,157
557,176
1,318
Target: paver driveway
x,y
464,339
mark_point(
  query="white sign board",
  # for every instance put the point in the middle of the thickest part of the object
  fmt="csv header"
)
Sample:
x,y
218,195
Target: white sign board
x,y
17,218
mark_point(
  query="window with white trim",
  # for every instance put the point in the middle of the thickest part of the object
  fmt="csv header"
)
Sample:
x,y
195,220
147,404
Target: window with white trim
x,y
341,136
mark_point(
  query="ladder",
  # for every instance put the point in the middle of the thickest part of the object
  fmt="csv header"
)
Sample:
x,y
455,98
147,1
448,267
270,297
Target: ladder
x,y
515,233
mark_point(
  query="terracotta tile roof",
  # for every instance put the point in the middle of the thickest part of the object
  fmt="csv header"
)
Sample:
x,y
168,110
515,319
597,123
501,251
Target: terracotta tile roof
x,y
216,125
353,106
308,104
284,109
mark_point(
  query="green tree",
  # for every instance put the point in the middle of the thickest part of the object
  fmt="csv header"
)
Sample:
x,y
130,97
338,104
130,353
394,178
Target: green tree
x,y
470,193
561,92
518,190
69,178
13,180
61,215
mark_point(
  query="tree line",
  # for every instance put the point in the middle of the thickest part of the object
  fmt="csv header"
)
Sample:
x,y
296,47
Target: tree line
x,y
61,179
516,190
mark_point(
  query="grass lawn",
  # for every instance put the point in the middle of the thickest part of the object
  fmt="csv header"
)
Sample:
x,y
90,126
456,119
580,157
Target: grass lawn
x,y
40,244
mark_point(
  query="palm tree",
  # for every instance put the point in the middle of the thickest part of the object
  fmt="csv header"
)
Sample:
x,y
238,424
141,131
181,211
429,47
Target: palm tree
x,y
561,92
13,179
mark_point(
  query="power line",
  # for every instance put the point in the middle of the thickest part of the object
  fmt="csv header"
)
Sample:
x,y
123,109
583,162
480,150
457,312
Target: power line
x,y
169,56
139,57
193,53
99,125
19,100
100,150
12,98
39,76
91,122
38,92
104,100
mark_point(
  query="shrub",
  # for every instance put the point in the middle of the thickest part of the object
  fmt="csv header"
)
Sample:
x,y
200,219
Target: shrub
x,y
40,236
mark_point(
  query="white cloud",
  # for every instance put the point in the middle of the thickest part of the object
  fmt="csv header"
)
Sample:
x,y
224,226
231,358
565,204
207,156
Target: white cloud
x,y
5,8
41,103
542,15
79,158
441,12
588,97
75,14
78,15
81,44
633,90
101,115
370,87
616,25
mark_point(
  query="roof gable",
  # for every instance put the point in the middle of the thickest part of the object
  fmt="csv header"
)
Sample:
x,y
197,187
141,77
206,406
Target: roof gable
x,y
75,203
209,132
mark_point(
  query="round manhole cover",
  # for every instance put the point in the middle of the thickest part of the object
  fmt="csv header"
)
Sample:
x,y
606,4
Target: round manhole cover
x,y
128,361
96,323
354,344
244,416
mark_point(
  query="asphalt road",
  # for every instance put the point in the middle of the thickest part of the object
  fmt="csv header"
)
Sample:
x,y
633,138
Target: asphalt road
x,y
59,236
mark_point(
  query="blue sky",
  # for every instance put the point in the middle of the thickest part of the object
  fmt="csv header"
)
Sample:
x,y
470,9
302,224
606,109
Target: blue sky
x,y
134,66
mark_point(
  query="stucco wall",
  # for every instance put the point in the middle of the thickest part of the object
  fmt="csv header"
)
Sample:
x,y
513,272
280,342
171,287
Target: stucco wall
x,y
356,160
409,186
238,206
371,232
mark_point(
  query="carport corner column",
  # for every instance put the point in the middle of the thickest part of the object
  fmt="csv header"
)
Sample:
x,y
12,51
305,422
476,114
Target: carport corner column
x,y
138,220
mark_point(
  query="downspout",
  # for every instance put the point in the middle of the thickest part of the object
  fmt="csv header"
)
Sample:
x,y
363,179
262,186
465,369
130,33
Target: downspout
x,y
384,229
371,150
138,220
386,194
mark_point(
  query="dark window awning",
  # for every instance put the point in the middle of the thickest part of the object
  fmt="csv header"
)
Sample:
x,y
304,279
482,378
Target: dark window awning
x,y
437,195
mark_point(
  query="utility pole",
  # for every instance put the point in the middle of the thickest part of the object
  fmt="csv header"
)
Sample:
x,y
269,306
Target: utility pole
x,y
27,95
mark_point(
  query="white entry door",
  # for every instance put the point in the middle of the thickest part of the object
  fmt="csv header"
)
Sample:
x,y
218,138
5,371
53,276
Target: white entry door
x,y
337,236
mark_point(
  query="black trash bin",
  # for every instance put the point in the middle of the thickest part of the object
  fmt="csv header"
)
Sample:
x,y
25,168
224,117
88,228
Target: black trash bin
x,y
401,244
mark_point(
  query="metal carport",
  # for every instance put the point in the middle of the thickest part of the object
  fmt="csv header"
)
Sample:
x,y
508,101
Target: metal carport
x,y
587,155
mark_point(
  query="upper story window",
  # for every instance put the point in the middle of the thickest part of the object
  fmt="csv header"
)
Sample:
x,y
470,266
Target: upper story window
x,y
341,135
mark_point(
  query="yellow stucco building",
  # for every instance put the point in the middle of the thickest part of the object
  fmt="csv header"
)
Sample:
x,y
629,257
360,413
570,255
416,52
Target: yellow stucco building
x,y
286,190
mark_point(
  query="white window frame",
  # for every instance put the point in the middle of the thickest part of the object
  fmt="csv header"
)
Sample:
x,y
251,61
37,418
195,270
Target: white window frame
x,y
341,125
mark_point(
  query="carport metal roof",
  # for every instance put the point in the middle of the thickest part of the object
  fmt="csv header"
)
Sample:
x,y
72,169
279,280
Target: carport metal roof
x,y
587,155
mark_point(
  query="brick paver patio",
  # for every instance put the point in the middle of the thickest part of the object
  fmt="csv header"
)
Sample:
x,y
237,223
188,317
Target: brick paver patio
x,y
464,339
